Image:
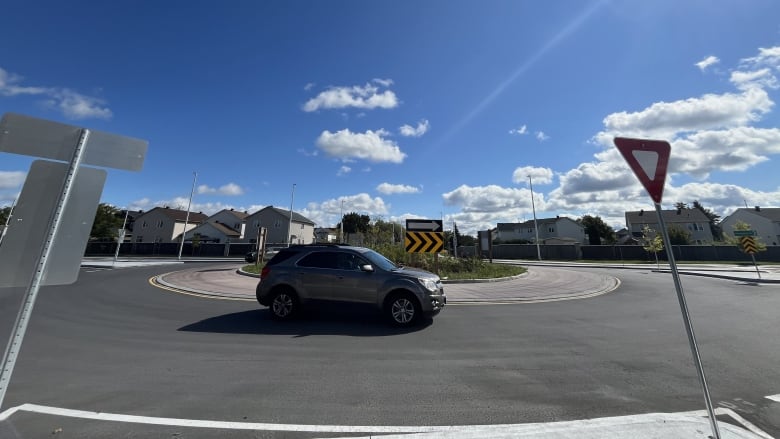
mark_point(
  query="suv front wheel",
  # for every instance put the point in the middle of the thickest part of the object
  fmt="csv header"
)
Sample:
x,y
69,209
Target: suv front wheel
x,y
402,309
284,304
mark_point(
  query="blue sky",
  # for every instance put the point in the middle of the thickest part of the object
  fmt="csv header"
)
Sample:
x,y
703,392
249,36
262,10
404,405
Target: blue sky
x,y
400,109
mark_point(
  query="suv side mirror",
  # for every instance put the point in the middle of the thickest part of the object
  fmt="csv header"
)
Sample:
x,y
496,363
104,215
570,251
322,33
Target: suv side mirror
x,y
368,268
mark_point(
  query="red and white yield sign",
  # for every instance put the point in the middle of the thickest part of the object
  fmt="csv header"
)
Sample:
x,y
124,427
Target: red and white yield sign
x,y
649,160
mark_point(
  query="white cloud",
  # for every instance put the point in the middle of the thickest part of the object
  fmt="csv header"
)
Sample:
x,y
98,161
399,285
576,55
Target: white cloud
x,y
230,189
328,213
344,170
309,86
410,131
11,179
368,97
762,78
369,146
539,175
665,119
707,62
72,104
492,198
541,136
519,131
387,189
384,82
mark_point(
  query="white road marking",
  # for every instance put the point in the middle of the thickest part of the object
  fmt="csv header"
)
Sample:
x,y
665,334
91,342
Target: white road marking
x,y
775,398
687,424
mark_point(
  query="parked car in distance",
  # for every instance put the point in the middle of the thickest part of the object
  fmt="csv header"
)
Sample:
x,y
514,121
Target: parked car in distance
x,y
270,252
304,275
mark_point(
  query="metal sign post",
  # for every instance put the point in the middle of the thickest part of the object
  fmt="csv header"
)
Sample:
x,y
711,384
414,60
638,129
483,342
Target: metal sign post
x,y
52,227
649,160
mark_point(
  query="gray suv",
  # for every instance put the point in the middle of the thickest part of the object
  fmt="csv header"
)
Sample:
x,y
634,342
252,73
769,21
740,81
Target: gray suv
x,y
301,275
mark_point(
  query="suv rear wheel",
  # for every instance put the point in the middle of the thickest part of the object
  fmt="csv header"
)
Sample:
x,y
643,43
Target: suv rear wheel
x,y
402,309
284,304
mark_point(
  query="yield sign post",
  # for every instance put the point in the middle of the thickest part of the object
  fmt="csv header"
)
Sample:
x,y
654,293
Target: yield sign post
x,y
649,160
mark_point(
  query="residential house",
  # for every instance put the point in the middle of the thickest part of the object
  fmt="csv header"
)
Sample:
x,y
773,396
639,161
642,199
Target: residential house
x,y
694,221
231,218
227,225
624,237
326,234
164,225
551,230
212,232
277,222
765,221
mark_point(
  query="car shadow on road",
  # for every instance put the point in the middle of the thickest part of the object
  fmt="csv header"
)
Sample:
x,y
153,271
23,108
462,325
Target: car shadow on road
x,y
320,322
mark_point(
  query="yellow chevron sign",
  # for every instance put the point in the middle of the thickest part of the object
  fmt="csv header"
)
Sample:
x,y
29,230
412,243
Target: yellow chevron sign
x,y
748,244
424,242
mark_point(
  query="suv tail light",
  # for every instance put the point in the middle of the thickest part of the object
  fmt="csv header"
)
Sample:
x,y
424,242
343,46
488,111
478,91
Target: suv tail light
x,y
264,272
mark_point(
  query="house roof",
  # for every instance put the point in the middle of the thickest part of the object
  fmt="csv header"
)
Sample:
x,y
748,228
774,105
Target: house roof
x,y
530,223
225,230
298,218
238,214
770,213
178,215
670,216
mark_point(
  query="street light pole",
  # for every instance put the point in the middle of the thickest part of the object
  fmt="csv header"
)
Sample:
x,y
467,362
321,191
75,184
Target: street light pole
x,y
341,238
121,236
289,227
536,225
187,218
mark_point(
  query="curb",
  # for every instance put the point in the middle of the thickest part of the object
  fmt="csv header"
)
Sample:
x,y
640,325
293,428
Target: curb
x,y
444,281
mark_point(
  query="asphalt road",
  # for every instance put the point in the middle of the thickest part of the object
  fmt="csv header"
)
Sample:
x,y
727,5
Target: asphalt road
x,y
113,343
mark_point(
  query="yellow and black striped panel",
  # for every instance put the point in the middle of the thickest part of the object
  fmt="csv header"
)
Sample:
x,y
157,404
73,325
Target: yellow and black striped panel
x,y
424,242
748,245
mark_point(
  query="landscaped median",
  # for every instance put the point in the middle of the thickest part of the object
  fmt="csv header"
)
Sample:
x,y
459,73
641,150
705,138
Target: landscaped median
x,y
450,269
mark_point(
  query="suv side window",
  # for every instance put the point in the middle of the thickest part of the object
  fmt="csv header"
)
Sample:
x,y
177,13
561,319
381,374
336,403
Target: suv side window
x,y
349,261
319,260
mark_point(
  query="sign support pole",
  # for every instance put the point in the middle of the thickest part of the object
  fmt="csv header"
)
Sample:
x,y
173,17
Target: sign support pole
x,y
688,324
25,312
753,257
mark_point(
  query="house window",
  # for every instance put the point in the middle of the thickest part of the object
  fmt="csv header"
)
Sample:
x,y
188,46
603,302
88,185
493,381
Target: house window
x,y
256,224
159,224
530,230
139,239
144,224
302,226
551,229
278,224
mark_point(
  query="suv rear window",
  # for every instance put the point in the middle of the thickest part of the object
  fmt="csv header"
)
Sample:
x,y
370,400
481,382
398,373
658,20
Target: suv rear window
x,y
283,255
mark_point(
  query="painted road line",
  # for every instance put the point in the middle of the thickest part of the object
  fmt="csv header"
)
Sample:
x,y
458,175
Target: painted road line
x,y
775,398
156,281
686,424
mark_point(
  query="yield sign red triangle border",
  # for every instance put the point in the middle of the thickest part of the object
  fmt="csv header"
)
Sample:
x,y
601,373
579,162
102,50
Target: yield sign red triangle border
x,y
654,185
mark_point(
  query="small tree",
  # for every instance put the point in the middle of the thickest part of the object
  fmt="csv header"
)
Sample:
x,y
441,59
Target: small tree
x,y
108,220
652,243
597,229
735,240
679,236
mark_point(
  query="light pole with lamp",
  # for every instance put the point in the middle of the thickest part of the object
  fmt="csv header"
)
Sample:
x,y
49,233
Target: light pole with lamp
x,y
536,225
187,218
121,236
289,227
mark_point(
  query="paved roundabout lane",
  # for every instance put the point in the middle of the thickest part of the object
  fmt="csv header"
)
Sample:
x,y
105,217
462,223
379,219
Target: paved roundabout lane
x,y
114,343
